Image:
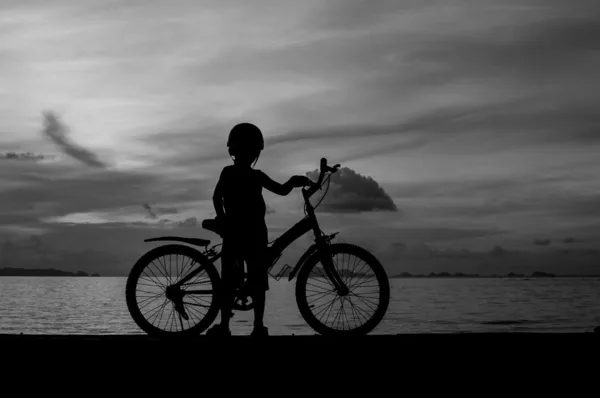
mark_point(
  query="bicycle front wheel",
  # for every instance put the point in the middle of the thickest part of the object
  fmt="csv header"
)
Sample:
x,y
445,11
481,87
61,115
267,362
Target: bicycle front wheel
x,y
356,313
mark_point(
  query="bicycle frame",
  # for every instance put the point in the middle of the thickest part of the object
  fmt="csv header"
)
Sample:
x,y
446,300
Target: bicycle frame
x,y
274,251
278,246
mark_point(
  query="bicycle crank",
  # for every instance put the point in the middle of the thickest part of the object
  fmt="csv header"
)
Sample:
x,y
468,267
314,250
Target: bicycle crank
x,y
241,303
343,291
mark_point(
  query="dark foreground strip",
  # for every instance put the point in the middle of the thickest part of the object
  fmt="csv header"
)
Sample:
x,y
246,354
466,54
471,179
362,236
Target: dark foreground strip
x,y
412,363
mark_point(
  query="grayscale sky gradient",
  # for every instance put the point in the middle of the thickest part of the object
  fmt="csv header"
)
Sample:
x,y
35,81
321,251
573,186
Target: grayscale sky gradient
x,y
469,129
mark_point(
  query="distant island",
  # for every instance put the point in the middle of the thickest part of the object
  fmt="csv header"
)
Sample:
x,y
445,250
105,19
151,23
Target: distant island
x,y
319,272
41,272
509,275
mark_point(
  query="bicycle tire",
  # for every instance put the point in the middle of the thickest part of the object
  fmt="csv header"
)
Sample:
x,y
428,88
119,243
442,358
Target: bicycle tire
x,y
380,275
133,280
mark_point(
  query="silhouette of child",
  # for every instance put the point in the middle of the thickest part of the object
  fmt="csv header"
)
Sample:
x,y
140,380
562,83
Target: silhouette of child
x,y
241,209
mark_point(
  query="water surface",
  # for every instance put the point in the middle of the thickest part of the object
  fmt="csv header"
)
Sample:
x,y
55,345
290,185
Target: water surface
x,y
72,305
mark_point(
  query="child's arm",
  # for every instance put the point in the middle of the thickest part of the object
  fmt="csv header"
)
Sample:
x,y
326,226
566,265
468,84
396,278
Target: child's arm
x,y
285,188
218,197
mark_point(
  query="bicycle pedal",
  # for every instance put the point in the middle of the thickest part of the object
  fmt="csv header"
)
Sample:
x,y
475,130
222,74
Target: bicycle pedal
x,y
181,310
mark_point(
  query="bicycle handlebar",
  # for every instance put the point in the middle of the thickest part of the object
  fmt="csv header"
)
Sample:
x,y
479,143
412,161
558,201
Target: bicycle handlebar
x,y
324,169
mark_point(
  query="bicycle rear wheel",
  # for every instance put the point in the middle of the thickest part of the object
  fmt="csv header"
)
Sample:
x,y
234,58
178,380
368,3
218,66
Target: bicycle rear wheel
x,y
357,313
158,307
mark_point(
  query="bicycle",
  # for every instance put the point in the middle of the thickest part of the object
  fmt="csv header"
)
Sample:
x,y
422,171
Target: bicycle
x,y
189,290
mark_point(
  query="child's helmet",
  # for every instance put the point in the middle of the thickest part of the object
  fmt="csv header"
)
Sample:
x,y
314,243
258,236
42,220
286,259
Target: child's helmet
x,y
246,136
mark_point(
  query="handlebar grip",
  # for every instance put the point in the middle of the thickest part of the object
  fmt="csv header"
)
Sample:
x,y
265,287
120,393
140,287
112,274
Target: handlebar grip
x,y
315,186
325,167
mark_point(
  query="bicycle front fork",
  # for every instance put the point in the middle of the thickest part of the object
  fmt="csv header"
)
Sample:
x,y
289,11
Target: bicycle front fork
x,y
332,273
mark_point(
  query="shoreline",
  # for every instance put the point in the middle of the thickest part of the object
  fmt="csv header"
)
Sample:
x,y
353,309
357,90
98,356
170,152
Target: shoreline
x,y
202,337
406,340
524,277
518,338
501,343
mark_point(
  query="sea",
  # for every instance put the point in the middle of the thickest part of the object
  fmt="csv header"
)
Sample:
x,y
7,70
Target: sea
x,y
96,306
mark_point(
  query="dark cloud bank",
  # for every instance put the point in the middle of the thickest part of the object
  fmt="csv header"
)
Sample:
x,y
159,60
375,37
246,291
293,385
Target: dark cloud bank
x,y
22,156
57,132
113,248
424,259
351,192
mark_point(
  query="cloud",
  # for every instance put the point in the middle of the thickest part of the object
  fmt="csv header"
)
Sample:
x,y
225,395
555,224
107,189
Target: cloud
x,y
422,259
343,132
355,14
21,156
188,222
498,251
167,210
57,132
571,240
184,153
153,213
35,192
439,234
471,72
464,89
534,61
558,194
350,192
44,254
383,149
527,67
425,251
576,206
490,185
68,246
531,51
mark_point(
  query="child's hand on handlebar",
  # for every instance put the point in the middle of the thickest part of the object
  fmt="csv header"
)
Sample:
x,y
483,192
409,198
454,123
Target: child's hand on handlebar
x,y
300,181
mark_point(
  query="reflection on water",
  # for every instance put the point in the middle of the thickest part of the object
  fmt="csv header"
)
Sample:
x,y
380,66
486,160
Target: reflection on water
x,y
54,305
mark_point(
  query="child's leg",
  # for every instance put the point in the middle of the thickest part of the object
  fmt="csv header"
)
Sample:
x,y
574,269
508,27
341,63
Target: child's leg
x,y
260,284
228,272
226,307
259,298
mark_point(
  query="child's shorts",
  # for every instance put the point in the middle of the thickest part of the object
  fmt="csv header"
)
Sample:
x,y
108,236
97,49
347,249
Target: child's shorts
x,y
253,252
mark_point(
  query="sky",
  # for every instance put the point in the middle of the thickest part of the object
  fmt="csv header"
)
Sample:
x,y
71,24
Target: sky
x,y
467,131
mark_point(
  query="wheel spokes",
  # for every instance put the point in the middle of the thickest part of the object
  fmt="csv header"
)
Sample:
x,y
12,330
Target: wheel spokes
x,y
163,310
343,312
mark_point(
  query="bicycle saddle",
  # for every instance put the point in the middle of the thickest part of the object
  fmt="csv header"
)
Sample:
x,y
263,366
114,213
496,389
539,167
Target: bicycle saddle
x,y
213,225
